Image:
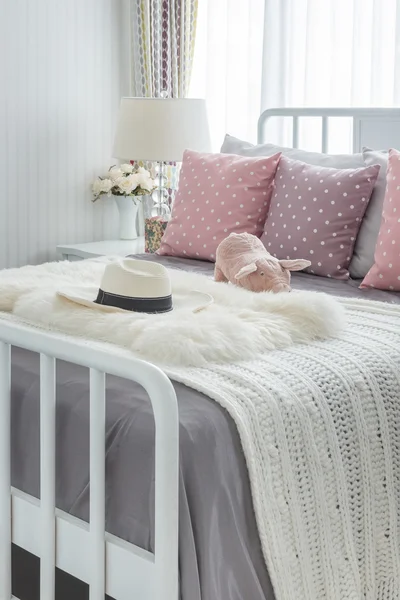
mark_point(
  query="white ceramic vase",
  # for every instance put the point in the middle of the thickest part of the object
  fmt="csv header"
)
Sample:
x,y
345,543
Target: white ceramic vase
x,y
128,210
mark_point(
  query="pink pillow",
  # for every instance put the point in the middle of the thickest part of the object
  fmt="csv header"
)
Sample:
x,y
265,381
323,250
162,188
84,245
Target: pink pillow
x,y
316,213
385,273
218,194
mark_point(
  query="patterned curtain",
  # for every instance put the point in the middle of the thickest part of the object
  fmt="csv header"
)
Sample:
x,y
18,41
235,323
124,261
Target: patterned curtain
x,y
162,48
163,35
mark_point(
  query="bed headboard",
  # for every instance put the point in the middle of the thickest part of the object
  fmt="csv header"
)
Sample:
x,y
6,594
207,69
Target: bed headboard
x,y
374,127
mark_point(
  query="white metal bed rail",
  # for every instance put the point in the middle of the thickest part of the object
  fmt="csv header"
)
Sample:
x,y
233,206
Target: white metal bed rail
x,y
108,564
377,127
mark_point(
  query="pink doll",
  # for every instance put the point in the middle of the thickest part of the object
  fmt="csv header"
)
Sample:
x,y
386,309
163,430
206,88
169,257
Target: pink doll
x,y
242,259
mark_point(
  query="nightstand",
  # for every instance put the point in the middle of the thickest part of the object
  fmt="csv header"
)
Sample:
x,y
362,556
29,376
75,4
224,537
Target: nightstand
x,y
105,248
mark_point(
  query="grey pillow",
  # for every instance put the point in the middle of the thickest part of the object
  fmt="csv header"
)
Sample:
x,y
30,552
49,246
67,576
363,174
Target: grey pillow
x,y
233,145
363,257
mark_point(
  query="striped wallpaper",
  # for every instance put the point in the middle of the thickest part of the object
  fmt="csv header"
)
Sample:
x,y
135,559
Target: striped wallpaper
x,y
63,69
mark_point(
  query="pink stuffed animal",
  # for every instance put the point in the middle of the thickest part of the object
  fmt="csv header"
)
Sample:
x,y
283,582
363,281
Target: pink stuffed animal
x,y
241,258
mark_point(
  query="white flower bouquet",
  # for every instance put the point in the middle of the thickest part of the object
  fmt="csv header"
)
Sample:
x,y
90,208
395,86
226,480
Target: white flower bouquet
x,y
125,180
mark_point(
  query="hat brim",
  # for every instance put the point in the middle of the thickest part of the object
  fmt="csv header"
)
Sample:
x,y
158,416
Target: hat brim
x,y
193,301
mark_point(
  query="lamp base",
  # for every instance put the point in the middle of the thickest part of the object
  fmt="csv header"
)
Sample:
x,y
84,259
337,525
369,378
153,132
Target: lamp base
x,y
160,194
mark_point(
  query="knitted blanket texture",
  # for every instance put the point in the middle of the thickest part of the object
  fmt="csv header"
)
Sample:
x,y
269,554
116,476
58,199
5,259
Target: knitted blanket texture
x,y
320,429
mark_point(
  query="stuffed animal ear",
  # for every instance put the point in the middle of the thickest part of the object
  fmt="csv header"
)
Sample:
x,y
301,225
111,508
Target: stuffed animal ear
x,y
297,264
246,271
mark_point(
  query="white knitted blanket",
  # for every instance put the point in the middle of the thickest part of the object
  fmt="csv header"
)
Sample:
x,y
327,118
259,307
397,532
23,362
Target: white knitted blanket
x,y
320,429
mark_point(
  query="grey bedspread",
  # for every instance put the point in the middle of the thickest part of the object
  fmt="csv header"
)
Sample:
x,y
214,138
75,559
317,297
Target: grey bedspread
x,y
220,553
300,281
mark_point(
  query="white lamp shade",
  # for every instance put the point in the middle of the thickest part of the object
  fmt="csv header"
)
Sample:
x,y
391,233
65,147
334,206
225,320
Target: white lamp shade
x,y
160,129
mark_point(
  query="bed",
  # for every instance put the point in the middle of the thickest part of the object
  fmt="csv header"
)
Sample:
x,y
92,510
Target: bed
x,y
219,548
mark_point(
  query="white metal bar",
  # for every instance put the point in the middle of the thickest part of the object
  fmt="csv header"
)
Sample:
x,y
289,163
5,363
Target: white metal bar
x,y
166,494
97,483
5,475
325,134
332,112
47,476
357,134
295,135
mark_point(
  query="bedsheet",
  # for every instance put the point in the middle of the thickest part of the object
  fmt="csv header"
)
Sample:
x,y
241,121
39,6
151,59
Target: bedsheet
x,y
220,553
300,281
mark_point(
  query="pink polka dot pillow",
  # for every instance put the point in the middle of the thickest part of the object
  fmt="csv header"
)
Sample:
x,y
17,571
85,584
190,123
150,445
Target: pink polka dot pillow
x,y
316,213
385,273
218,194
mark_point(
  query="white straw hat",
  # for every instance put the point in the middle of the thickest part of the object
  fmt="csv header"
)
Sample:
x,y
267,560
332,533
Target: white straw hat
x,y
138,286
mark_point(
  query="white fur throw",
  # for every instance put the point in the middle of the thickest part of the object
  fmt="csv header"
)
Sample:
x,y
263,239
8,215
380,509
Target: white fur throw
x,y
238,326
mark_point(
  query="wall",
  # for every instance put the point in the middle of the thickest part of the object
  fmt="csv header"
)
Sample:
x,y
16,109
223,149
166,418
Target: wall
x,y
63,70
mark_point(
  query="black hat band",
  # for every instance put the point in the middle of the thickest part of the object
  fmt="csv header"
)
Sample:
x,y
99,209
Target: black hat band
x,y
143,305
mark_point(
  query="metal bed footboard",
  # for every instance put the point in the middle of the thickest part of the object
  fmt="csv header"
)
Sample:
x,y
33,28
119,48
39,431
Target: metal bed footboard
x,y
108,564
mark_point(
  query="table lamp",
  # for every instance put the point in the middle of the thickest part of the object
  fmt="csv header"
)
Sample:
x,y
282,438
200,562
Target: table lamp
x,y
159,130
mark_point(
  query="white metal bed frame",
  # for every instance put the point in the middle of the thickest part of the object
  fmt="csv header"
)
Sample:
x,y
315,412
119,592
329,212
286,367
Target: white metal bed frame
x,y
374,127
108,564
